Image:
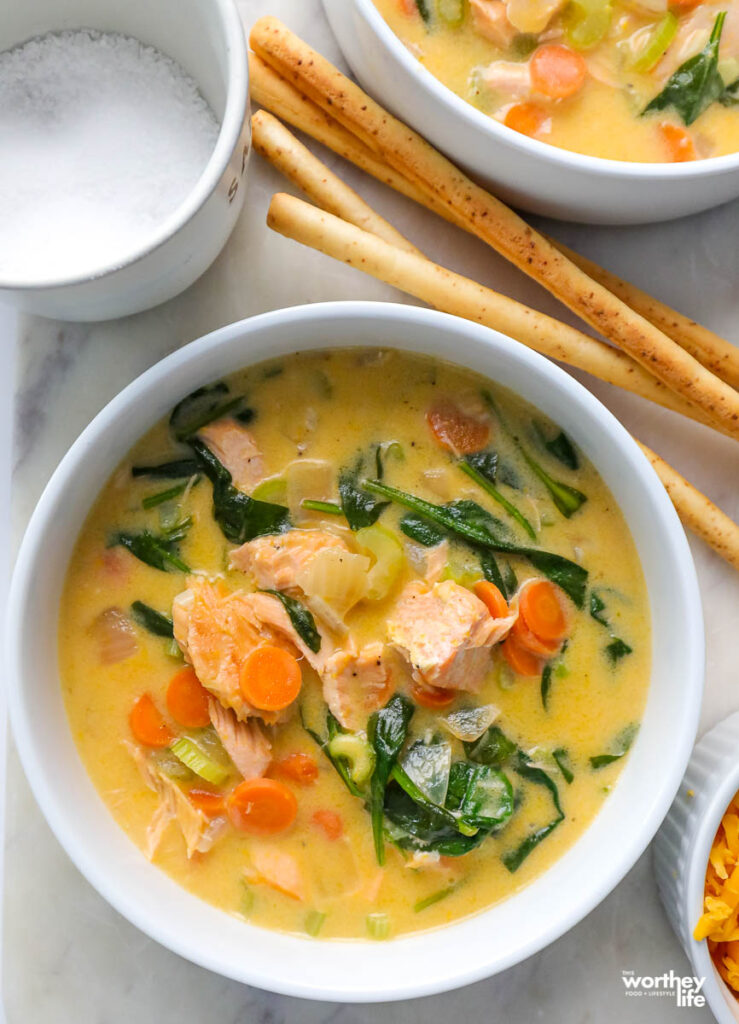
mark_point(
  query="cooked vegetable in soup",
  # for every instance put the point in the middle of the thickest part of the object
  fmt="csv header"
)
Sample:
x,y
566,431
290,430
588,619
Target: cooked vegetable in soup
x,y
640,80
355,643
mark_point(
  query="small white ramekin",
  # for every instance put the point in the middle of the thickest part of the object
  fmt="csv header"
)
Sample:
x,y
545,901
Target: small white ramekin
x,y
206,38
524,172
683,844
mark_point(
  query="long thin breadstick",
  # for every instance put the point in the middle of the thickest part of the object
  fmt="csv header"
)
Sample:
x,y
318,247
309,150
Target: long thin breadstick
x,y
275,143
715,353
494,222
452,293
696,511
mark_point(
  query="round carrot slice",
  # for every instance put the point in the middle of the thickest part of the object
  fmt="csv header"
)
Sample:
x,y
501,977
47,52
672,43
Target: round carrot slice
x,y
262,807
187,700
456,430
679,142
298,767
148,725
531,642
330,823
492,598
270,678
542,606
521,661
526,118
209,802
557,71
432,697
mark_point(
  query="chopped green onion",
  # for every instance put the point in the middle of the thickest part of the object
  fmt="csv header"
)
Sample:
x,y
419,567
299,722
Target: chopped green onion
x,y
246,903
162,496
435,897
451,12
314,922
198,761
378,926
657,43
329,507
173,649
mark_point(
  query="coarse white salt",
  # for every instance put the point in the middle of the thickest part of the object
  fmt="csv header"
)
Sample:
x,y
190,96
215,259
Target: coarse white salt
x,y
101,139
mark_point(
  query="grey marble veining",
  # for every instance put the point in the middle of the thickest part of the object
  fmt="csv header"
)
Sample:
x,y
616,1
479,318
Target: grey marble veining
x,y
68,957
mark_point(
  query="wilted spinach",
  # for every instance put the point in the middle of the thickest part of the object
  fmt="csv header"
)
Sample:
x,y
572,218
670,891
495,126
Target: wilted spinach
x,y
302,620
697,83
152,620
387,731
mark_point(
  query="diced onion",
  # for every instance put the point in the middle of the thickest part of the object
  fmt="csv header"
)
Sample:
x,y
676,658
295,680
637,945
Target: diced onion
x,y
468,724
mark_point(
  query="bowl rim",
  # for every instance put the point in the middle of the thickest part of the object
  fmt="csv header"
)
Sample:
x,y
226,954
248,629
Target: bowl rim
x,y
568,160
237,98
364,988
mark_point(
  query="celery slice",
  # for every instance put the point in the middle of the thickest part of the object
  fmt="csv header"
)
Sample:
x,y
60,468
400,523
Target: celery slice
x,y
378,926
198,761
658,42
451,12
314,922
586,22
272,490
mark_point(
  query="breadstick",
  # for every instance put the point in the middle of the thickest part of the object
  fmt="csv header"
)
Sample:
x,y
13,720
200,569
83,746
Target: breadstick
x,y
275,143
696,511
494,222
452,293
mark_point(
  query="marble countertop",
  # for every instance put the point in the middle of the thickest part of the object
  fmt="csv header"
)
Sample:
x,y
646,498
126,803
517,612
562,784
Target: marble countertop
x,y
67,956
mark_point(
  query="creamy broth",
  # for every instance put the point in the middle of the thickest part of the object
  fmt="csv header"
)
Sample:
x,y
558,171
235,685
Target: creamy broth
x,y
331,406
618,67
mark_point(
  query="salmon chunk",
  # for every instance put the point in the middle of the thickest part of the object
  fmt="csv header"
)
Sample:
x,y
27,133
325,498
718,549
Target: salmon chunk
x,y
244,742
276,868
275,561
270,615
446,634
235,448
356,683
198,832
490,19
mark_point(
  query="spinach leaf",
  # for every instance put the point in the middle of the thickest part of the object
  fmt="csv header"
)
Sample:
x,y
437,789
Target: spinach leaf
x,y
539,777
560,446
597,607
383,452
504,579
201,408
487,800
493,748
546,684
479,468
161,497
730,96
424,10
561,757
175,470
697,83
152,620
302,620
333,728
472,523
621,746
387,731
160,551
423,828
616,650
421,530
454,822
240,517
513,859
359,508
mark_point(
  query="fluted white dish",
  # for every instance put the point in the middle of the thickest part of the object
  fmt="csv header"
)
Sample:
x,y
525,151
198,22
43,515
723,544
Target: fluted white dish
x,y
683,844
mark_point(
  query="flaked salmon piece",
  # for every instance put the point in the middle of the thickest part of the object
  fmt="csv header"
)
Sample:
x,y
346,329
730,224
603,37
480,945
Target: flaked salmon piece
x,y
276,560
276,868
235,448
244,742
446,634
198,831
356,683
490,19
216,630
510,78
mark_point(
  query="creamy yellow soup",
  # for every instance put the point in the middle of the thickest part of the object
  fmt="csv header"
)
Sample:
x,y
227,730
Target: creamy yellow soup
x,y
580,75
568,721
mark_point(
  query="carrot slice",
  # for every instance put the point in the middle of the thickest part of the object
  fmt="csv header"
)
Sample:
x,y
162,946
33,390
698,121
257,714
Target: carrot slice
x,y
542,606
557,71
262,807
270,678
521,661
531,642
298,767
679,142
432,697
208,801
330,823
456,430
526,118
492,598
148,725
187,700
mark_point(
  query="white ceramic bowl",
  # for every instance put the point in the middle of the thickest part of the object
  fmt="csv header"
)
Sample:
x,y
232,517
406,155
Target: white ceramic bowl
x,y
524,172
355,971
682,846
206,38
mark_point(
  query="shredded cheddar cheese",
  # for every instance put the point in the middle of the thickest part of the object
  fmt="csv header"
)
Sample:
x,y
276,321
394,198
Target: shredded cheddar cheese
x,y
720,921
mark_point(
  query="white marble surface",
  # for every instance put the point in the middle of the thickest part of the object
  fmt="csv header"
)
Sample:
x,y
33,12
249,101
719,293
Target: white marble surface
x,y
67,956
